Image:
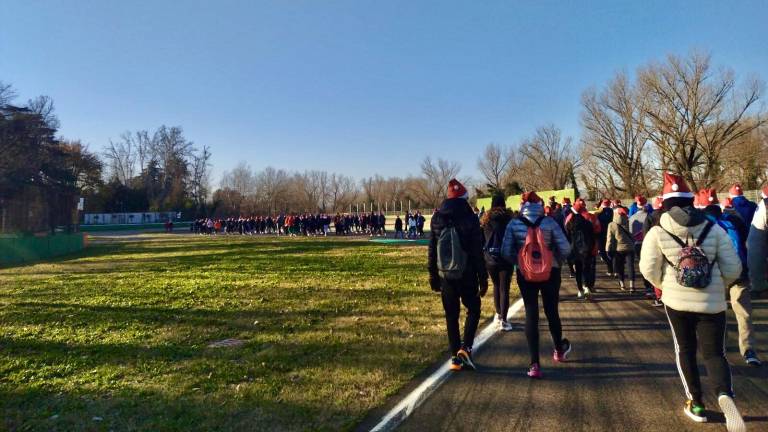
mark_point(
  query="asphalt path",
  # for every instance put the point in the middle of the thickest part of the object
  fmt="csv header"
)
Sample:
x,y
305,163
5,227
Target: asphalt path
x,y
621,376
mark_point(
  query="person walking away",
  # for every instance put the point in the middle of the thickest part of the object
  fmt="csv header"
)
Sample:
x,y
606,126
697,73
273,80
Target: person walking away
x,y
757,249
637,229
539,247
398,227
605,217
456,267
741,303
494,224
620,246
744,207
420,221
412,228
582,230
651,221
693,261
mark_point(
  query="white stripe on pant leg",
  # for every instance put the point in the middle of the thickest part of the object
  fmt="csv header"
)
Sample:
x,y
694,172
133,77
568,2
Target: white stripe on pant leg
x,y
725,337
677,356
415,398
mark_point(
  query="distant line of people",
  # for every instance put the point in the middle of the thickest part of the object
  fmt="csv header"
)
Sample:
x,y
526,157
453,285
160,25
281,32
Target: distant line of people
x,y
373,224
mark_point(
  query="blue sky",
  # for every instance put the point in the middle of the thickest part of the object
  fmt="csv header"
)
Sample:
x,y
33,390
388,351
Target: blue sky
x,y
358,87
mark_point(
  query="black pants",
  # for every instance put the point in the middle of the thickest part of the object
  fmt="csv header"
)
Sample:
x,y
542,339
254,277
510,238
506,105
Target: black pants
x,y
550,296
708,330
456,293
585,272
620,262
603,254
501,277
646,284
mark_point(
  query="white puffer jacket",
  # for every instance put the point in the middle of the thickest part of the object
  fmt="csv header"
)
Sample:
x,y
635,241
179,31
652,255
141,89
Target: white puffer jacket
x,y
717,245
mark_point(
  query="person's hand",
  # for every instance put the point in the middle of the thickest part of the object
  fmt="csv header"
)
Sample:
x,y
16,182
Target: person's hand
x,y
434,283
483,287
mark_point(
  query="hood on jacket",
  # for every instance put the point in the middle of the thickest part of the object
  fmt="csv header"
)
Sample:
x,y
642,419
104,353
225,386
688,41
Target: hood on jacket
x,y
456,207
496,214
620,219
533,211
686,216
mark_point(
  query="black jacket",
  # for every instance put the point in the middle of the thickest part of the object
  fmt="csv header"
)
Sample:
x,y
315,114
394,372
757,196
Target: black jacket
x,y
495,220
458,211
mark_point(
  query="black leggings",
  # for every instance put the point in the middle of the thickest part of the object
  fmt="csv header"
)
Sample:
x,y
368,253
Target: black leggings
x,y
550,296
501,278
455,294
620,261
710,329
585,273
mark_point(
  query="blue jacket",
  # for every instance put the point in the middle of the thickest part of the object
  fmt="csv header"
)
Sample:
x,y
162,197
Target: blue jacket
x,y
745,208
514,236
634,207
737,239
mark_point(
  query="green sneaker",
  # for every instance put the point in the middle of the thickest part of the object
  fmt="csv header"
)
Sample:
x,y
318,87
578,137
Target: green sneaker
x,y
695,411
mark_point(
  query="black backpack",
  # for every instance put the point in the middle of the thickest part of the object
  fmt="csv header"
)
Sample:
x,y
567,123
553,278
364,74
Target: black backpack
x,y
582,238
493,244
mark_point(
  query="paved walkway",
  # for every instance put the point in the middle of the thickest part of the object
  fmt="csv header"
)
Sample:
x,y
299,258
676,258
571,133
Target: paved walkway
x,y
621,376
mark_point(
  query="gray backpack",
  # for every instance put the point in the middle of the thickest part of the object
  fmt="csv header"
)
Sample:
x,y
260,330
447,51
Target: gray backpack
x,y
451,257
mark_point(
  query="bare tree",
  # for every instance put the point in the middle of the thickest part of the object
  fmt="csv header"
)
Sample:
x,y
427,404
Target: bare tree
x,y
613,122
549,160
272,186
121,160
44,106
497,165
240,179
199,185
695,113
343,192
436,176
7,94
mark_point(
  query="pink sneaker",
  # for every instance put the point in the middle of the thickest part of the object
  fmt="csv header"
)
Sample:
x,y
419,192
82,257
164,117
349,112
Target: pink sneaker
x,y
562,355
534,371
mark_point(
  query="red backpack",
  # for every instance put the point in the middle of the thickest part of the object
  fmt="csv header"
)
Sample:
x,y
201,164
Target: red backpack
x,y
534,260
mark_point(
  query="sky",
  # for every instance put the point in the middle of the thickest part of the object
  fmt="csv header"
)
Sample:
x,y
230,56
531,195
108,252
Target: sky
x,y
357,87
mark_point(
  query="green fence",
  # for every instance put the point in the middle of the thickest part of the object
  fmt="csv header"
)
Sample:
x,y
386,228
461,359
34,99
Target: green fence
x,y
18,250
513,202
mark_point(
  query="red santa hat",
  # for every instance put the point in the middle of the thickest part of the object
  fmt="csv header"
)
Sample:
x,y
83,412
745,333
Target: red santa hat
x,y
764,192
706,197
566,200
658,202
605,203
675,187
457,190
640,200
727,202
735,191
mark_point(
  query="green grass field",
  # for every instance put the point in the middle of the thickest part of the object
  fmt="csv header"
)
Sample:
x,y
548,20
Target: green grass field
x,y
117,338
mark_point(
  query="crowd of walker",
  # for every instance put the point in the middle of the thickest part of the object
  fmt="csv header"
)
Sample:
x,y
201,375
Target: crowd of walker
x,y
372,224
694,253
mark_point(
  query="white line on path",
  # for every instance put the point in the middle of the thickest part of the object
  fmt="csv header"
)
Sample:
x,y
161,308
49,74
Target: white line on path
x,y
415,398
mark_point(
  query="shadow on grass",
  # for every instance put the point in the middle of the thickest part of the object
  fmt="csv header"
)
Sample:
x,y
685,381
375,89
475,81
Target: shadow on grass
x,y
37,409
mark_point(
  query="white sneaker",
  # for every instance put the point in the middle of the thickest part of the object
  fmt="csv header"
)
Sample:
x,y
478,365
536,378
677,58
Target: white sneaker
x,y
580,295
506,326
587,293
733,420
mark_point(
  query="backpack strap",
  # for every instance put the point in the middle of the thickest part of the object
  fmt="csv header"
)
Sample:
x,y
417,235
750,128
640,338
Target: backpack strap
x,y
674,237
704,233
